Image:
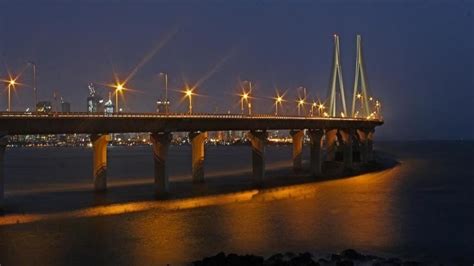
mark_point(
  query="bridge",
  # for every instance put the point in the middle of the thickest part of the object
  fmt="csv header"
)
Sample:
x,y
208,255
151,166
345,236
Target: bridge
x,y
346,134
334,132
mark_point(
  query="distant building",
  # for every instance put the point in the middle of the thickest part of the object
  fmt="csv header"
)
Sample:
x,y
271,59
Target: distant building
x,y
109,106
44,107
95,103
65,107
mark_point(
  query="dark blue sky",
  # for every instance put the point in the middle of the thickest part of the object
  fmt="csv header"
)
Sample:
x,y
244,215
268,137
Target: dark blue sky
x,y
419,56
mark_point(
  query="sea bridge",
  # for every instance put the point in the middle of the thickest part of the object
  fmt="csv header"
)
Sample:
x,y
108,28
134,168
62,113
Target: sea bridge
x,y
339,130
346,134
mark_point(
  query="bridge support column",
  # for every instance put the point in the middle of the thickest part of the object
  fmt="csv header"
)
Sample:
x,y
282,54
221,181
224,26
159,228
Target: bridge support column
x,y
364,147
197,158
347,135
331,137
99,158
3,146
258,139
297,136
315,136
370,144
161,142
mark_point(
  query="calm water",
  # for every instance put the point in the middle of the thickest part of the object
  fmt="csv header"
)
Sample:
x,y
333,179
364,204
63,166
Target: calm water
x,y
422,209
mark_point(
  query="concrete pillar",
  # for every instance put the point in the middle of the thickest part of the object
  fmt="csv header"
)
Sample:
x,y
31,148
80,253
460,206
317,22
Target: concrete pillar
x,y
331,137
364,147
347,135
99,160
258,139
298,136
3,145
370,144
315,136
197,158
161,142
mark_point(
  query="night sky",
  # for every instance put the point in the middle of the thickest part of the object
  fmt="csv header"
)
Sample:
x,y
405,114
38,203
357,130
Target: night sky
x,y
419,56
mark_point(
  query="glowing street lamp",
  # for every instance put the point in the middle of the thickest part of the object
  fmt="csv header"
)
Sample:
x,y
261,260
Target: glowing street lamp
x,y
314,105
378,105
300,105
118,89
189,93
244,97
321,108
278,101
11,83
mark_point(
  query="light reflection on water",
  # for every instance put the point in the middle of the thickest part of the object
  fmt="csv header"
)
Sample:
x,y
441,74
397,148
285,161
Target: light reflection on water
x,y
412,210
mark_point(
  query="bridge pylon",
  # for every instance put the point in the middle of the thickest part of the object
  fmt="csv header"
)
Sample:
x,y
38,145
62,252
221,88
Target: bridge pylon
x,y
360,94
336,78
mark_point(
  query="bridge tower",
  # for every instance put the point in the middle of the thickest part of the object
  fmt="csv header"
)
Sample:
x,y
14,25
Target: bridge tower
x,y
336,77
361,95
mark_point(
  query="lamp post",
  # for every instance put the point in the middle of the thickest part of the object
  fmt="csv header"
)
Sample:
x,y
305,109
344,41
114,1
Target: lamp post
x,y
189,94
165,75
321,109
244,97
247,96
33,65
11,84
118,89
313,105
278,100
300,105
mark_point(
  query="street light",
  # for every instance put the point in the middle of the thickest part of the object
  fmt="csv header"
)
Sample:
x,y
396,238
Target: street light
x,y
314,105
166,91
34,81
11,84
378,105
189,93
321,108
278,101
359,97
118,89
301,103
246,95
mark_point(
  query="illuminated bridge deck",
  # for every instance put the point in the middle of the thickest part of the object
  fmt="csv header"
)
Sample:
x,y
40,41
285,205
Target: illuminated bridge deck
x,y
59,123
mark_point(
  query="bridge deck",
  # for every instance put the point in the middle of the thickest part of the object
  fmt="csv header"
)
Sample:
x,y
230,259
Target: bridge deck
x,y
63,123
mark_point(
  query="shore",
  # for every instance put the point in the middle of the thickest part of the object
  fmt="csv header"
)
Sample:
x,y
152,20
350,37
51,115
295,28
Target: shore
x,y
348,257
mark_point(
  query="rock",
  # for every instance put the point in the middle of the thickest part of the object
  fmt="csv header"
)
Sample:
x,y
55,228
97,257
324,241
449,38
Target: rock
x,y
411,263
276,260
219,259
251,260
233,259
322,261
352,255
303,259
335,257
393,262
345,263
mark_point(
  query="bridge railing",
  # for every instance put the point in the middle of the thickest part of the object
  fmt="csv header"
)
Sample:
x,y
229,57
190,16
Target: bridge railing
x,y
169,115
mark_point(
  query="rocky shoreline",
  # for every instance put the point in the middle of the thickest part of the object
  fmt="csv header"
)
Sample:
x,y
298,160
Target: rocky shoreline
x,y
348,257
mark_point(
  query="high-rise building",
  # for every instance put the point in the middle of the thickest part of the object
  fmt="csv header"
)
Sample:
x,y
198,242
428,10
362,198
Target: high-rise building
x,y
109,106
65,107
95,103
